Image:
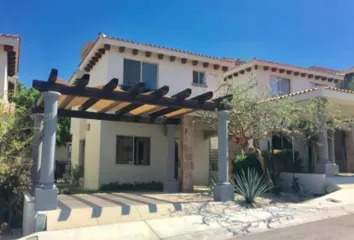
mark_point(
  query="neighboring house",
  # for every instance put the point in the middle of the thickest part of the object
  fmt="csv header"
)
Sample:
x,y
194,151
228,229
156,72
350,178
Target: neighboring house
x,y
132,152
9,66
302,84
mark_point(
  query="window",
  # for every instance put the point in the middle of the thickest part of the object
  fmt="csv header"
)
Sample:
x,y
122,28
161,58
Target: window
x,y
136,71
133,150
279,86
198,77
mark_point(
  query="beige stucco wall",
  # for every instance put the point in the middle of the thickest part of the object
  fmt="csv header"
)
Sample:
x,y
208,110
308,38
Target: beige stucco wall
x,y
100,154
92,155
200,159
98,76
297,83
109,171
176,75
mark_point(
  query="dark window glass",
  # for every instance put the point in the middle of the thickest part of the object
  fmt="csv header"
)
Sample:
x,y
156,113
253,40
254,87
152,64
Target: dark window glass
x,y
150,75
131,72
201,78
195,77
124,150
142,151
279,86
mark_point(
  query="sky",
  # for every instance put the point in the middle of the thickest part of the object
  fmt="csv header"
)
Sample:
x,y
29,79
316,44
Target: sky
x,y
299,32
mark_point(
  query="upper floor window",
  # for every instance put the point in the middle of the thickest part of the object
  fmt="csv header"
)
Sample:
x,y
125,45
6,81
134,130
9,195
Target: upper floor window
x,y
279,86
137,71
198,77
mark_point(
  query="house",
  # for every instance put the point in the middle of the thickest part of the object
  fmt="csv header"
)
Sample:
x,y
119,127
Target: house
x,y
301,84
133,152
9,66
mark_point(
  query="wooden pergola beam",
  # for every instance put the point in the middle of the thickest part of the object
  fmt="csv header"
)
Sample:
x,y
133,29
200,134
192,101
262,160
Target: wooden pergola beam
x,y
53,75
95,93
81,83
108,88
179,97
157,94
137,89
109,117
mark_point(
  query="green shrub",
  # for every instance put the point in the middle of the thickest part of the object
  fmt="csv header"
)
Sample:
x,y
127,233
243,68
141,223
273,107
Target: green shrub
x,y
250,185
243,162
136,186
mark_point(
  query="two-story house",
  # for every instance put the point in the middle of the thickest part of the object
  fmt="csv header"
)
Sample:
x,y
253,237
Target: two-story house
x,y
134,152
9,66
301,84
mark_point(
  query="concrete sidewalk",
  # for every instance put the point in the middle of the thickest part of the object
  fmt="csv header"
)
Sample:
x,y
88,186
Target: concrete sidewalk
x,y
216,220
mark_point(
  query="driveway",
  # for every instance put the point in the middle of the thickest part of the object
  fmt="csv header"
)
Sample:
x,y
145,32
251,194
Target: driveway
x,y
341,228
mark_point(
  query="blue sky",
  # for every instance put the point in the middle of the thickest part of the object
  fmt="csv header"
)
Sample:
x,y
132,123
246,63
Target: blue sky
x,y
300,32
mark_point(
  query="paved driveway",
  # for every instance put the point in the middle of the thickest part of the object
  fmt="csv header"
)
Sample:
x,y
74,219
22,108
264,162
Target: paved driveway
x,y
340,228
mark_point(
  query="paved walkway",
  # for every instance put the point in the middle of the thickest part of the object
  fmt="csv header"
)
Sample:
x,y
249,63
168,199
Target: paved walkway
x,y
84,210
211,220
341,228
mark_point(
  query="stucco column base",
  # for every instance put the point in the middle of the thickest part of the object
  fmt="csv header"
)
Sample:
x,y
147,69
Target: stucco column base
x,y
46,198
223,192
171,186
330,169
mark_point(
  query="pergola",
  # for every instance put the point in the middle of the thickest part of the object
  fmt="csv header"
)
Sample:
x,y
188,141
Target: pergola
x,y
114,102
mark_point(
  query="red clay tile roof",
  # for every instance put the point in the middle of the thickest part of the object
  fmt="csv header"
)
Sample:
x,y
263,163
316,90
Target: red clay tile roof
x,y
167,48
313,69
10,35
101,35
311,90
323,69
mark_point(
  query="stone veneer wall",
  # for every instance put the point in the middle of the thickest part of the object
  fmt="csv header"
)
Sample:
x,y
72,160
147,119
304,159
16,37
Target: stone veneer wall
x,y
186,165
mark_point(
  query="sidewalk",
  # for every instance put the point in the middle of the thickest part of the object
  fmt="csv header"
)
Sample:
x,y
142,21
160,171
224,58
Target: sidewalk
x,y
216,220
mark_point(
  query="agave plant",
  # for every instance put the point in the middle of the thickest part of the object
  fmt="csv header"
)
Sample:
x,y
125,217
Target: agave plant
x,y
250,185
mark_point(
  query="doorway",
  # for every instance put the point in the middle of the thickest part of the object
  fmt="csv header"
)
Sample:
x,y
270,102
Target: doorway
x,y
82,156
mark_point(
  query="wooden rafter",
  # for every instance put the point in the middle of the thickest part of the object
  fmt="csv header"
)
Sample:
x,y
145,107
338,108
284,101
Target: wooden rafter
x,y
108,117
107,89
81,83
95,93
157,94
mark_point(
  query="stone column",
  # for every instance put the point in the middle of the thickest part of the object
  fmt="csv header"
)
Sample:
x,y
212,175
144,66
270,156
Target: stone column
x,y
186,154
37,149
171,184
46,193
223,191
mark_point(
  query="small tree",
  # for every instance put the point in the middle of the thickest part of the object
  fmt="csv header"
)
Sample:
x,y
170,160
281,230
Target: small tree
x,y
256,114
253,116
16,135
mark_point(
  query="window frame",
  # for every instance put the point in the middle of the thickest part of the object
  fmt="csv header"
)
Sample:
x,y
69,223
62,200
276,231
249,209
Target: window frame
x,y
199,83
141,69
279,77
134,161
